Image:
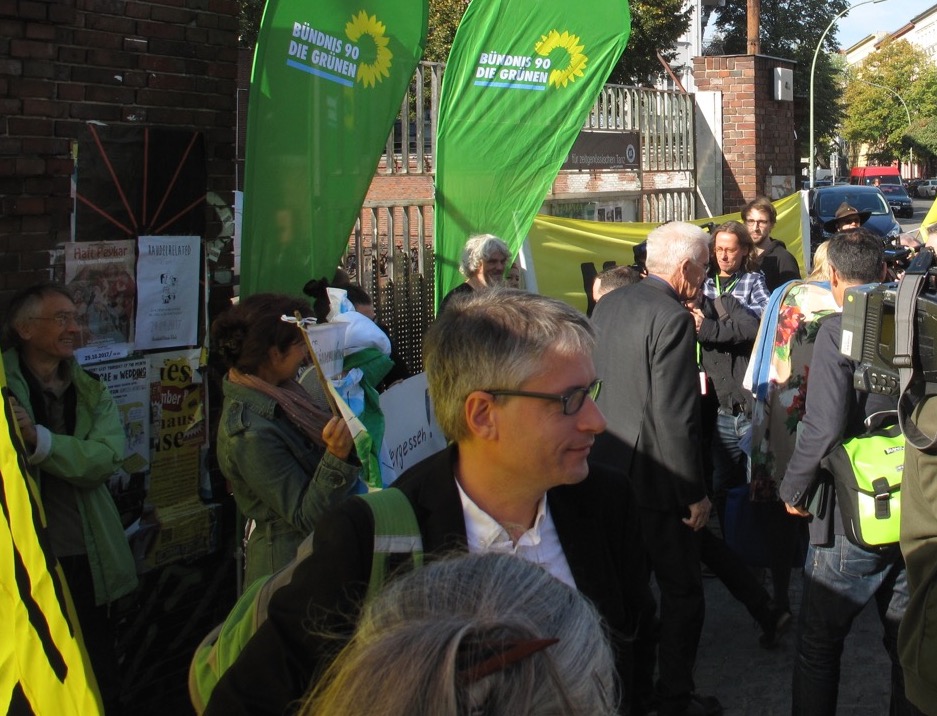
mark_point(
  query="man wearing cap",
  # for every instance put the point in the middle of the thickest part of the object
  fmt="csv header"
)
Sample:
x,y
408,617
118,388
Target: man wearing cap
x,y
847,218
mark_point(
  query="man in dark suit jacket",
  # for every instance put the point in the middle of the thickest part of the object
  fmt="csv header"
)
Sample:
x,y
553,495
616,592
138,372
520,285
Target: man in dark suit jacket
x,y
512,382
647,357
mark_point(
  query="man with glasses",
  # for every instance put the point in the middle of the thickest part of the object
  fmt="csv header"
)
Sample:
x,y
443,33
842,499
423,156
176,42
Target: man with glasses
x,y
513,385
777,263
647,358
73,436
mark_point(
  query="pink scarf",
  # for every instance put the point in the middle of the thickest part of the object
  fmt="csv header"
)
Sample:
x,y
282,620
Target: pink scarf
x,y
296,403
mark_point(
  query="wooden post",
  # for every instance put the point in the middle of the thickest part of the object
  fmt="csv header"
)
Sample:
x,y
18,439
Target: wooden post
x,y
754,23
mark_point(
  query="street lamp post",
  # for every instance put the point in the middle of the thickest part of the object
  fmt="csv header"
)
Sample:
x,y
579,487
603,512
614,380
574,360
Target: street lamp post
x,y
813,67
906,111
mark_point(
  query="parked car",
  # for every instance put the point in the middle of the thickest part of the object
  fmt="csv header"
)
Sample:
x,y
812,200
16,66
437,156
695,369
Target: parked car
x,y
911,186
898,200
874,176
827,199
927,188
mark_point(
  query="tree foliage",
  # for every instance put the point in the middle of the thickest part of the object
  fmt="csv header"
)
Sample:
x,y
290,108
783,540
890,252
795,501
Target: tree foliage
x,y
876,116
249,21
791,29
656,25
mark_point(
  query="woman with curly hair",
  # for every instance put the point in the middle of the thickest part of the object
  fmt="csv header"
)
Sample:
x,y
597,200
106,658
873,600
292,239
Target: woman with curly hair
x,y
287,459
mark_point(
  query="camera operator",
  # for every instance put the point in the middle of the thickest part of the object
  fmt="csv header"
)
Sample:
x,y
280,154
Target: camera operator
x,y
840,578
917,644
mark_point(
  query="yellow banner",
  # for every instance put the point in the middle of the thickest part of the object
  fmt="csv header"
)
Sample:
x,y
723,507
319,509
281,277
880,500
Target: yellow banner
x,y
929,219
43,667
559,247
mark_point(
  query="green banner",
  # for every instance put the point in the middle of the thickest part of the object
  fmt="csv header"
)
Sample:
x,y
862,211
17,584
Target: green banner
x,y
519,83
328,81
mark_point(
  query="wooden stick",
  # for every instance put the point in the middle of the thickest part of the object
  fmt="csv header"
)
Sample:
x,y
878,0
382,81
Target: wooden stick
x,y
323,381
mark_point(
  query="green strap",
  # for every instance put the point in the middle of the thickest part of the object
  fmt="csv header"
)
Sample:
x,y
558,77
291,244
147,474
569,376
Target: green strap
x,y
395,532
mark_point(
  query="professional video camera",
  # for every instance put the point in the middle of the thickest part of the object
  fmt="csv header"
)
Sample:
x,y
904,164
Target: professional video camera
x,y
870,321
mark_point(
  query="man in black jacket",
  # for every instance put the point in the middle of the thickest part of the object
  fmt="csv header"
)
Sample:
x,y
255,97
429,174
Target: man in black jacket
x,y
513,385
777,263
840,578
647,358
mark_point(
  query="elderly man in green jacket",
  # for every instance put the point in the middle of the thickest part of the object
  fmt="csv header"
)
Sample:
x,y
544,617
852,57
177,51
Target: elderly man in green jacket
x,y
74,439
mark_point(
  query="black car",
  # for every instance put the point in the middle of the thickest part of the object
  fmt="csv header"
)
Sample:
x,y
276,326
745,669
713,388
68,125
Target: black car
x,y
898,200
827,199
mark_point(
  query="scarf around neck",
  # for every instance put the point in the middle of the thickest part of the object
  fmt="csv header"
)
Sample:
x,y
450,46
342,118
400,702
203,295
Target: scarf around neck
x,y
298,405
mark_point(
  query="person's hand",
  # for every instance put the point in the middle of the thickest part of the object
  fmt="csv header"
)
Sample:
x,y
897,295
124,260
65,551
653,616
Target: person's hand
x,y
337,438
699,514
697,318
27,427
796,511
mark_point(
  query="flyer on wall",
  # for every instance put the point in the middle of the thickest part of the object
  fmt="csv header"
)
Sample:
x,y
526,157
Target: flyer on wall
x,y
100,276
168,287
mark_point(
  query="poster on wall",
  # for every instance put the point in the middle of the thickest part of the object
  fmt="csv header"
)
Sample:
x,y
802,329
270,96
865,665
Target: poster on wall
x,y
168,288
100,275
127,382
176,524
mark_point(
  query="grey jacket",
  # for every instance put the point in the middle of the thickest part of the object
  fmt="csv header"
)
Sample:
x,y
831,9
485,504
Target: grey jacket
x,y
280,478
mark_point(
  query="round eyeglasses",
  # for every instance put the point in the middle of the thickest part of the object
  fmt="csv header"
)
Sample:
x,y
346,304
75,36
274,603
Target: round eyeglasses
x,y
61,319
572,400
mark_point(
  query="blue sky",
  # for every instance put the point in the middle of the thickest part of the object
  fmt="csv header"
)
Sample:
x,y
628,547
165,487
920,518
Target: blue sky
x,y
887,16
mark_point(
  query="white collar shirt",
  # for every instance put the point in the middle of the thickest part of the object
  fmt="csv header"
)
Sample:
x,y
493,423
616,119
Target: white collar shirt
x,y
540,544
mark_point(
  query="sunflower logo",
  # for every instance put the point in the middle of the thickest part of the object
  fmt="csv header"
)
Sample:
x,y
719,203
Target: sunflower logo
x,y
553,41
375,62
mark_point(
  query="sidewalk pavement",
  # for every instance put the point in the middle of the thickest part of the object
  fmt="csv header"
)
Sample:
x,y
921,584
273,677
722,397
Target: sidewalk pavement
x,y
749,680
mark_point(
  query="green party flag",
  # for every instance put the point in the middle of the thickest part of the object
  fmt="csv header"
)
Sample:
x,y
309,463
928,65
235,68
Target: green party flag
x,y
519,83
328,81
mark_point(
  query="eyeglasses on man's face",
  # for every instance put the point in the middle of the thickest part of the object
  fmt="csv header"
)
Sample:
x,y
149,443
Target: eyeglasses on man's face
x,y
572,400
62,319
757,222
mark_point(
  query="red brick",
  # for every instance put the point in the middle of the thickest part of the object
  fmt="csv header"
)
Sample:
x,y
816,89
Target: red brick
x,y
44,108
111,95
30,126
160,30
157,63
72,92
43,145
73,55
182,83
60,167
19,205
110,23
173,15
61,14
90,38
11,67
32,48
112,58
12,28
139,10
36,31
100,112
31,10
106,7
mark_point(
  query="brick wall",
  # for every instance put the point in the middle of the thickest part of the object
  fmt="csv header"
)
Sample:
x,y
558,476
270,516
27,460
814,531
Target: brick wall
x,y
758,131
63,63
